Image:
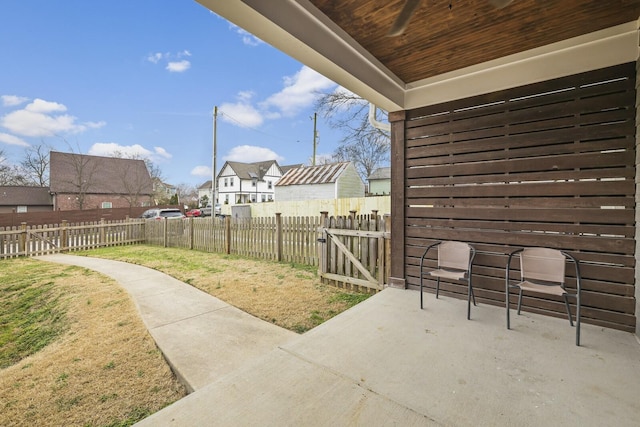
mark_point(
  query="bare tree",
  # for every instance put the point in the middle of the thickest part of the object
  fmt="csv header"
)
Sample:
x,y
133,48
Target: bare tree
x,y
366,146
83,176
35,165
10,174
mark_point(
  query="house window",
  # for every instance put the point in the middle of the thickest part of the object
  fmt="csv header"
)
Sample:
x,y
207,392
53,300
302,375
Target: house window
x,y
21,209
226,199
226,182
253,198
269,185
270,197
106,205
231,181
253,183
264,197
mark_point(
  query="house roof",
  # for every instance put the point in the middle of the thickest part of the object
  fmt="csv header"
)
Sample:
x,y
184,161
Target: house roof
x,y
309,175
101,175
347,41
251,170
25,196
205,186
380,173
286,168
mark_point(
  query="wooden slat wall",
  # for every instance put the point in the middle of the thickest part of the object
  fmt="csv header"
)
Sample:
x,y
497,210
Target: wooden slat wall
x,y
549,164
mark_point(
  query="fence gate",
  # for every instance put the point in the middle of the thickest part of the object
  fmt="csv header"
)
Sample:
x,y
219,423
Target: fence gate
x,y
353,250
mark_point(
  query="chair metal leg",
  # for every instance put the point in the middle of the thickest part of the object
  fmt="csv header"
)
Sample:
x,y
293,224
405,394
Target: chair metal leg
x,y
578,319
519,301
421,297
469,294
437,287
507,304
566,303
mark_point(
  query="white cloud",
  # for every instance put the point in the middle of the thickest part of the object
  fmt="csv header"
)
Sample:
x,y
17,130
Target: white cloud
x,y
300,91
247,38
251,153
161,152
13,100
204,171
112,149
242,113
12,140
154,57
175,63
41,106
178,66
38,119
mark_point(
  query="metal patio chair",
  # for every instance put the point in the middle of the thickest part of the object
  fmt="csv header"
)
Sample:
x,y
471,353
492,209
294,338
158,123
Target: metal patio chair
x,y
542,270
455,260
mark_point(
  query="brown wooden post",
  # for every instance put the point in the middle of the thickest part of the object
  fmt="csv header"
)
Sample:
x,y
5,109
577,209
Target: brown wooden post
x,y
191,232
165,232
227,234
64,239
322,244
102,233
279,236
387,248
22,240
397,277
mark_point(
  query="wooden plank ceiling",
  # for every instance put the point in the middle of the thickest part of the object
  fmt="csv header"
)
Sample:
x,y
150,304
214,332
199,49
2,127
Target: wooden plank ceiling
x,y
446,35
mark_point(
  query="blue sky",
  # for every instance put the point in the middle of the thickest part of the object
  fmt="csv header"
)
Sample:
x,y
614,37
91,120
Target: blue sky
x,y
142,77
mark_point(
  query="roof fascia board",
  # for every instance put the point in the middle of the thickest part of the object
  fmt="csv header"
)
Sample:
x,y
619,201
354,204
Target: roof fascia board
x,y
298,29
600,49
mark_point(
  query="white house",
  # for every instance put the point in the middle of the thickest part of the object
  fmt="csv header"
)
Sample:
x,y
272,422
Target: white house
x,y
331,181
239,183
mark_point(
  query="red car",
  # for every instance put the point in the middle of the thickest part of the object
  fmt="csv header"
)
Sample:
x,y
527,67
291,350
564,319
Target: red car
x,y
194,212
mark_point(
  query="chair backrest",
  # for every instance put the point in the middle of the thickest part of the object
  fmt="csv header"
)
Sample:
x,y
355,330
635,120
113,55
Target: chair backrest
x,y
542,264
454,255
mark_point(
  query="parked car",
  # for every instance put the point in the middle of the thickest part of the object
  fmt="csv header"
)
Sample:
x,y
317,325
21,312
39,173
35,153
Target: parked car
x,y
207,210
194,212
162,213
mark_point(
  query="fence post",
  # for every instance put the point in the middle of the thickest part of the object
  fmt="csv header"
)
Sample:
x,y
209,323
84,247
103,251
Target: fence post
x,y
322,245
165,232
64,241
191,233
102,241
22,241
279,236
227,234
387,248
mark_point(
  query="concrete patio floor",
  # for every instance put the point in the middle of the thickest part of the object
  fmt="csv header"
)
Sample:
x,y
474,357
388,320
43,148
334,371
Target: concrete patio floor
x,y
386,362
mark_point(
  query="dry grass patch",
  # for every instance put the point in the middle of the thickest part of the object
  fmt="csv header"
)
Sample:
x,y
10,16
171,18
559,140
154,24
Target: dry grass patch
x,y
290,296
101,369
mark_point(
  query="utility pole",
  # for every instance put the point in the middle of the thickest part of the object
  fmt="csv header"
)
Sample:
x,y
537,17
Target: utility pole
x,y
315,137
213,168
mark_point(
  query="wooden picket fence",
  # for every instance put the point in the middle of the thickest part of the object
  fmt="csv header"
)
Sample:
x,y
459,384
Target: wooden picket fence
x,y
48,239
351,251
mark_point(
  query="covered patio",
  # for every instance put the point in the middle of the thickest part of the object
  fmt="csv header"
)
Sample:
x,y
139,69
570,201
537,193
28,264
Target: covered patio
x,y
513,124
386,362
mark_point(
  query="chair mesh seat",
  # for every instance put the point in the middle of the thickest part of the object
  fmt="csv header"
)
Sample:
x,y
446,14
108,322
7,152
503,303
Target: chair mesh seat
x,y
545,289
449,274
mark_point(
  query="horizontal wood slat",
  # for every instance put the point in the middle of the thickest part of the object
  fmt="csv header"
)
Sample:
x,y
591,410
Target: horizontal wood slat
x,y
550,164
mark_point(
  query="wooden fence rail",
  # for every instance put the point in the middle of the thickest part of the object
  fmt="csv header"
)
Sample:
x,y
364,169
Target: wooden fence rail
x,y
47,239
348,251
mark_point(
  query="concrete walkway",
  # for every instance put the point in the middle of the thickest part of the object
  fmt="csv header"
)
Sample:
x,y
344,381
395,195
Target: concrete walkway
x,y
385,362
201,337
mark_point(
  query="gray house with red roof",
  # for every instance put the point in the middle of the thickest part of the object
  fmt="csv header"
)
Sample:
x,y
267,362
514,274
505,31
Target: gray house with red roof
x,y
81,181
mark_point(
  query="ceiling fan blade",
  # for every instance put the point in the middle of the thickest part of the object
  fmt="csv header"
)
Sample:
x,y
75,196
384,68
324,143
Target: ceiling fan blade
x,y
402,21
499,4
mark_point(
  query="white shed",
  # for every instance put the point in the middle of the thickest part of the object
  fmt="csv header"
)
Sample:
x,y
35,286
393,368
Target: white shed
x,y
331,181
